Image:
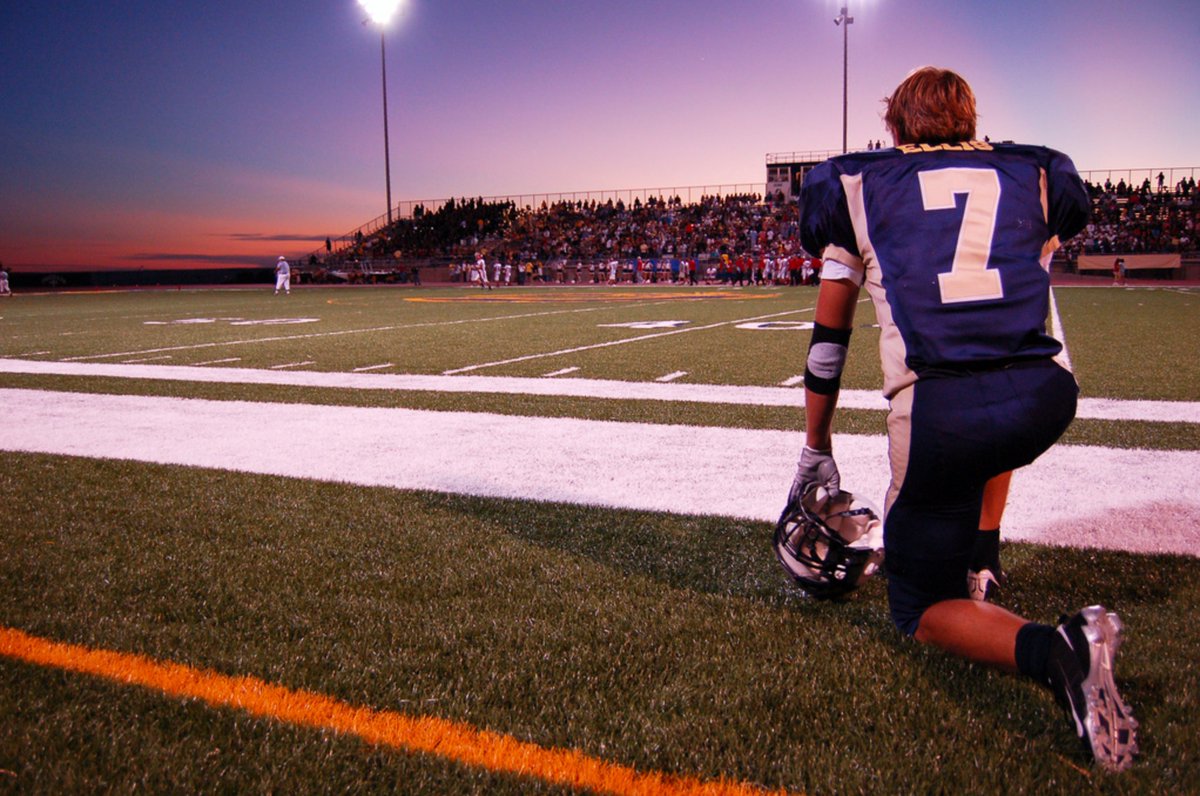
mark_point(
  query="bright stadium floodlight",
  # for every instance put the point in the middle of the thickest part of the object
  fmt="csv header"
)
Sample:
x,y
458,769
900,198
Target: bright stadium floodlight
x,y
845,20
381,13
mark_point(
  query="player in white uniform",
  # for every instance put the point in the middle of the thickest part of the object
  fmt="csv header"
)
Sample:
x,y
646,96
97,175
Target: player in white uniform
x,y
283,276
481,268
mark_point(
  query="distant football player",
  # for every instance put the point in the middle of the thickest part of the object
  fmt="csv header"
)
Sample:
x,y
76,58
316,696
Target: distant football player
x,y
5,290
283,276
481,270
952,238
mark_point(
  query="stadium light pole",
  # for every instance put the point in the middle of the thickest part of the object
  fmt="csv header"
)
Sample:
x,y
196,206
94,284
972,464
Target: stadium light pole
x,y
381,13
845,20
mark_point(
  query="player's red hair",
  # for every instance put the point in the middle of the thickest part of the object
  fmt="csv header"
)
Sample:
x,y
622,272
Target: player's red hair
x,y
931,106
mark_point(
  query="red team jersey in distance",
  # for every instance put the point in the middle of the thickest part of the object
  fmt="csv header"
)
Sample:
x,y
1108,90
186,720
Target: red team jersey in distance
x,y
953,242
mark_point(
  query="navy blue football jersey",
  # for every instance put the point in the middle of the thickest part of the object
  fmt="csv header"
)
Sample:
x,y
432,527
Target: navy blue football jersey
x,y
953,242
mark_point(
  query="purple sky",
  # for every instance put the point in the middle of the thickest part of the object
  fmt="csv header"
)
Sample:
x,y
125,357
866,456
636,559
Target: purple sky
x,y
153,134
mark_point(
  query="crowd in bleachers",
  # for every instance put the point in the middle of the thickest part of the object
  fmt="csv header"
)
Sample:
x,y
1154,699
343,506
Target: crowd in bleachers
x,y
591,231
441,232
657,228
1140,219
1126,218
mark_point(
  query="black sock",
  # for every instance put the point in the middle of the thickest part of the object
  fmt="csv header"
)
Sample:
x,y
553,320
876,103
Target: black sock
x,y
1033,650
986,552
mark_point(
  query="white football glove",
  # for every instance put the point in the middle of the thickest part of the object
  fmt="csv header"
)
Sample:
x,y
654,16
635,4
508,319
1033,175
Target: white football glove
x,y
815,467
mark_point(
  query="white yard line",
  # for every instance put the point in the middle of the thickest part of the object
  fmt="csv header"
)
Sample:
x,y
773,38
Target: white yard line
x,y
217,361
145,359
793,381
1057,332
1089,408
369,368
1134,500
292,365
562,372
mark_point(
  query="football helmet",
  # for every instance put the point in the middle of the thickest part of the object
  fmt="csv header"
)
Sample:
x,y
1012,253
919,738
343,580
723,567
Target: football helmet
x,y
829,542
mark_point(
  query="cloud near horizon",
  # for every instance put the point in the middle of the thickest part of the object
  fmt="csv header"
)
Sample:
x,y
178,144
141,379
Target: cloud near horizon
x,y
278,237
219,259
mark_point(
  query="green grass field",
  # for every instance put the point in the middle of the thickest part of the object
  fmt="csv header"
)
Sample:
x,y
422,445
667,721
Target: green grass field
x,y
663,642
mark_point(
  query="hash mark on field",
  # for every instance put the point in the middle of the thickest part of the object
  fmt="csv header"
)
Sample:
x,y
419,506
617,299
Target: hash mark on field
x,y
562,372
34,354
218,361
293,365
793,381
146,359
672,376
372,367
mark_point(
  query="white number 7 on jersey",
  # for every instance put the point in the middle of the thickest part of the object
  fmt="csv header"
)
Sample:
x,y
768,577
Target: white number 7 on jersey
x,y
969,278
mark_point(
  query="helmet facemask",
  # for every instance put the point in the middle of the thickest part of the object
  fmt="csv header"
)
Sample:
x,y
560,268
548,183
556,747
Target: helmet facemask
x,y
829,543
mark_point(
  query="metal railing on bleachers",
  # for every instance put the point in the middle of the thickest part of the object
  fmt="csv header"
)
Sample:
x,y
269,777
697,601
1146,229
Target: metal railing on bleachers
x,y
1135,178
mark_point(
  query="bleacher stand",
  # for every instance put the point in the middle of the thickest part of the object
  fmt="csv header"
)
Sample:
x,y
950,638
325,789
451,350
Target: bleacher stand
x,y
567,241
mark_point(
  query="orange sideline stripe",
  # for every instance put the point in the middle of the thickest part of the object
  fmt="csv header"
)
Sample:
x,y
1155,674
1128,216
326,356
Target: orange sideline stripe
x,y
452,740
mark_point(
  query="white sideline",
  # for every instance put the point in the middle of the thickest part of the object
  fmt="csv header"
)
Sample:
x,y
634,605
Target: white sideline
x,y
1089,408
1135,500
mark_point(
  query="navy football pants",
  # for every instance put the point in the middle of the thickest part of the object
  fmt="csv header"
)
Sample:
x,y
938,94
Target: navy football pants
x,y
947,437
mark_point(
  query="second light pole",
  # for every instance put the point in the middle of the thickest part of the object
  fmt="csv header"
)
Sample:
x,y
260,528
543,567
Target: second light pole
x,y
845,20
